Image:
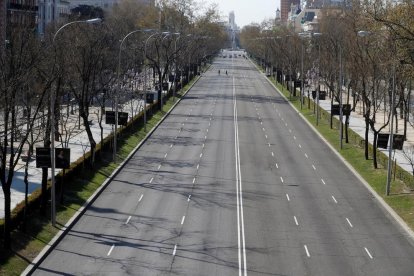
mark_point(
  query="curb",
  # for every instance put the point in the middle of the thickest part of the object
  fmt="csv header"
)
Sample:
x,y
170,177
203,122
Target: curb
x,y
71,222
389,212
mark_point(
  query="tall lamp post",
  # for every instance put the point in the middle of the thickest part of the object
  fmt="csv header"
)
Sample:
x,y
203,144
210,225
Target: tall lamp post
x,y
319,69
145,75
167,34
302,36
52,123
391,139
175,70
119,87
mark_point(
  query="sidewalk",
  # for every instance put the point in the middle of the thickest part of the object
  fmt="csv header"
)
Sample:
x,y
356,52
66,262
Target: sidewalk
x,y
357,124
78,144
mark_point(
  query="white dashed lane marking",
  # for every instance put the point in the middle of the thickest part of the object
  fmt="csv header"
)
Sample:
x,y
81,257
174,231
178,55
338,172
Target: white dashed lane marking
x,y
349,222
296,220
307,251
110,250
369,253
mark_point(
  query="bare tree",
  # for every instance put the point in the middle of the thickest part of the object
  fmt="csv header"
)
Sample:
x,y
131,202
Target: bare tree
x,y
18,65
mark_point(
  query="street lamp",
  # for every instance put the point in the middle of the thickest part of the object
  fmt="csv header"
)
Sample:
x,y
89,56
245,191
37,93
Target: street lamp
x,y
119,87
319,68
175,73
391,139
52,123
302,35
145,72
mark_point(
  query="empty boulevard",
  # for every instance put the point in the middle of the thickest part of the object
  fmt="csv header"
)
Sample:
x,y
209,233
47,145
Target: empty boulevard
x,y
233,182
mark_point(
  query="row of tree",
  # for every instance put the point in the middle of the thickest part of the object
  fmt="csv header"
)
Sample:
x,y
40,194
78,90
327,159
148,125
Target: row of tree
x,y
363,50
80,63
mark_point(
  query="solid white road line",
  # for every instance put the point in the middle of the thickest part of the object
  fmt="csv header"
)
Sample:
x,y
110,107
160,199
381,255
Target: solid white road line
x,y
369,254
307,251
287,196
140,198
182,220
239,193
334,199
296,221
175,250
110,250
129,218
349,222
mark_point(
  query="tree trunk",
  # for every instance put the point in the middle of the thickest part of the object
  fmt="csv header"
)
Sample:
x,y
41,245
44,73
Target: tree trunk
x,y
44,199
366,137
374,148
7,215
90,136
346,129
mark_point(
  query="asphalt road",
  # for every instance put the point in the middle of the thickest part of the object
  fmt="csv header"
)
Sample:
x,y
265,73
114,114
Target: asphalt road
x,y
233,182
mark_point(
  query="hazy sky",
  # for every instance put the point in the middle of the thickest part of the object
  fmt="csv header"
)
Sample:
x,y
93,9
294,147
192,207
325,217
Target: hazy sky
x,y
247,11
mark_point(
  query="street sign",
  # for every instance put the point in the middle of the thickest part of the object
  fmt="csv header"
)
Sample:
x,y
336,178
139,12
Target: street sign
x,y
122,118
322,95
110,117
398,141
382,140
335,109
62,158
346,109
43,158
150,98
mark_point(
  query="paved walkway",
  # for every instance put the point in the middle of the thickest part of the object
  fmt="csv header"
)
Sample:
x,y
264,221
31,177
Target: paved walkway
x,y
78,144
357,124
